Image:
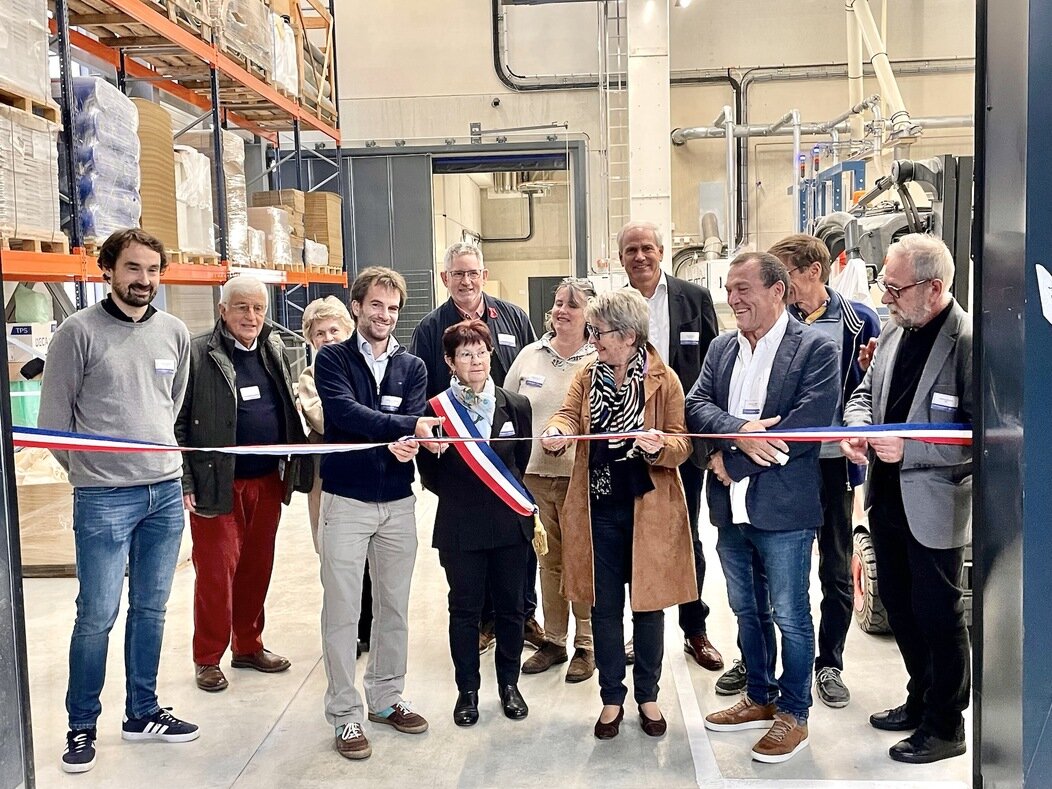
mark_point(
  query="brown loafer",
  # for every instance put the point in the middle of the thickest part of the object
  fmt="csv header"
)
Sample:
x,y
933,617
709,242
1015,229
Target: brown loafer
x,y
607,731
582,666
703,652
651,727
264,660
210,678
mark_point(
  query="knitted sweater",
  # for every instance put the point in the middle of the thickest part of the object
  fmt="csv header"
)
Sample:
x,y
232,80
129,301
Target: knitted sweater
x,y
108,377
544,377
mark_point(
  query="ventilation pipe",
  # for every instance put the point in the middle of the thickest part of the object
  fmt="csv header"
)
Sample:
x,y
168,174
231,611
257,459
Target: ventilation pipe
x,y
726,119
855,82
898,114
710,233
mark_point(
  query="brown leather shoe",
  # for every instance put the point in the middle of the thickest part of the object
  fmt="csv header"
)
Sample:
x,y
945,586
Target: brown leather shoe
x,y
630,652
607,731
544,658
651,727
210,678
403,719
264,660
486,637
351,742
703,652
582,666
533,633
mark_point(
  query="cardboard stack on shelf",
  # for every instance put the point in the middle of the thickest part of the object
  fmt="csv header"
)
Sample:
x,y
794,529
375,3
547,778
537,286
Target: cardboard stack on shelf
x,y
274,222
294,203
157,168
323,223
244,31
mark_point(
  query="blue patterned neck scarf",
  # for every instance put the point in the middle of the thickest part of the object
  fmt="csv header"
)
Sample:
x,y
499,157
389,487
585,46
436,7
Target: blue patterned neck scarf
x,y
482,405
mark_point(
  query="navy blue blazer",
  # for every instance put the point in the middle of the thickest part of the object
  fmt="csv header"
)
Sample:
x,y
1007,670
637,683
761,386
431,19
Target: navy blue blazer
x,y
804,390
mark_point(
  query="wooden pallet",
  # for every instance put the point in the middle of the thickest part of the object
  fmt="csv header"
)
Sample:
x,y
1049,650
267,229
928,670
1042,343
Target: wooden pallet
x,y
193,258
98,17
251,66
60,247
20,101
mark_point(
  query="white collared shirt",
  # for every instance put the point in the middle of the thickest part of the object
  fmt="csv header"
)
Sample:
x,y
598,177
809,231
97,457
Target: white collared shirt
x,y
240,347
659,318
748,394
377,365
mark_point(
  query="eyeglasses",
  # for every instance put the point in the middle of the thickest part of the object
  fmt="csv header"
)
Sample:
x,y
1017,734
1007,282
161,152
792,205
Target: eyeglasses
x,y
244,309
895,292
595,334
471,275
472,356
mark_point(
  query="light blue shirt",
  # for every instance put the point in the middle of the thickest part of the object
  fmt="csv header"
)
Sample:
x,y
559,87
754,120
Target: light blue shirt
x,y
378,364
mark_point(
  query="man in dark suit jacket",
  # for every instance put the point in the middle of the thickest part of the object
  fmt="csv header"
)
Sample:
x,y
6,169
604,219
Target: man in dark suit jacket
x,y
920,495
682,325
763,493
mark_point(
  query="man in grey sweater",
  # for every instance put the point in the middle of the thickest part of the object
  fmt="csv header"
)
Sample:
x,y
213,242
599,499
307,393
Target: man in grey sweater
x,y
119,369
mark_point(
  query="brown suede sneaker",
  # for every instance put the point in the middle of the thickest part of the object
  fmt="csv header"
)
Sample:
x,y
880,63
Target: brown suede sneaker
x,y
582,666
544,658
744,715
351,742
403,719
787,737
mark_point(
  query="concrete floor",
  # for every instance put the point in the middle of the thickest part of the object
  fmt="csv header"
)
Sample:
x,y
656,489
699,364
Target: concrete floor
x,y
269,731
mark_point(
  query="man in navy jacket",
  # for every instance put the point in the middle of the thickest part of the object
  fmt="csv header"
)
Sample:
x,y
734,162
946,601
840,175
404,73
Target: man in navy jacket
x,y
371,390
763,493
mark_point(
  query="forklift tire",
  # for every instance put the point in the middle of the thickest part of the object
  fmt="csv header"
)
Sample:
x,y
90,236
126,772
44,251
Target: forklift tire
x,y
869,612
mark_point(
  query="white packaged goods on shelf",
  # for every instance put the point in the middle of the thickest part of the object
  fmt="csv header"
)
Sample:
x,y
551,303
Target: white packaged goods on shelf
x,y
193,196
28,176
106,158
24,48
257,247
315,254
275,223
245,30
236,199
286,75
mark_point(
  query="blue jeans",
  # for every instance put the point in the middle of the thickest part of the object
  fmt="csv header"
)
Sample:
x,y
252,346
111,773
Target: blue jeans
x,y
141,527
768,573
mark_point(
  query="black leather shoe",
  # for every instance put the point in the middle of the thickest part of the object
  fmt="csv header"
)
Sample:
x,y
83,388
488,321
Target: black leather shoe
x,y
922,747
466,710
900,718
513,703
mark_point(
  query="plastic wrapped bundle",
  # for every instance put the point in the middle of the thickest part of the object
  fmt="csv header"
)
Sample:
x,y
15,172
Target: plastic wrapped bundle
x,y
106,157
193,196
244,29
24,48
286,75
315,254
236,199
257,247
29,207
275,223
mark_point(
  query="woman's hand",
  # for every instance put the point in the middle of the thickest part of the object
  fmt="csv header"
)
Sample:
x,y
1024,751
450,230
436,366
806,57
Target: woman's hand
x,y
405,450
552,440
650,442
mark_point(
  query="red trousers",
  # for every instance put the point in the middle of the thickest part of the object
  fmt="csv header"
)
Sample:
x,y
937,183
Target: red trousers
x,y
233,556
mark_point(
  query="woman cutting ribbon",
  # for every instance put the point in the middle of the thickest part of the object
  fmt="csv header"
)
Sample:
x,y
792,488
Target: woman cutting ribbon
x,y
485,516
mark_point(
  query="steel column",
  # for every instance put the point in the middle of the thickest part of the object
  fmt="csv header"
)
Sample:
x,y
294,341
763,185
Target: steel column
x,y
65,62
220,175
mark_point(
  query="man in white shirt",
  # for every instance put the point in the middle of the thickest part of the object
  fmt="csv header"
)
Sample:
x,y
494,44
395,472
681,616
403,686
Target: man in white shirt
x,y
764,493
682,325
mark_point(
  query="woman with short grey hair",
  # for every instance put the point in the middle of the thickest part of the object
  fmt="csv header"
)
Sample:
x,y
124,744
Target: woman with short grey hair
x,y
623,311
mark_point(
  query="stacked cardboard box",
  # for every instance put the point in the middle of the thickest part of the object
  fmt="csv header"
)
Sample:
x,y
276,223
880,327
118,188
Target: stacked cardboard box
x,y
323,223
157,173
292,200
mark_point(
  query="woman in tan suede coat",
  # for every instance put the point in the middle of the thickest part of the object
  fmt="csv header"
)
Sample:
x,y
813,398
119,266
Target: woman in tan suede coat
x,y
625,513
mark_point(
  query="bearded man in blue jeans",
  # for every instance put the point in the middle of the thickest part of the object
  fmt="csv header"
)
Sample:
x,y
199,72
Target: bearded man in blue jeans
x,y
119,368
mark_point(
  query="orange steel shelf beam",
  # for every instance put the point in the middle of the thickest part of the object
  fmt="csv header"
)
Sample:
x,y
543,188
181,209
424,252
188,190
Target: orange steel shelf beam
x,y
42,266
309,278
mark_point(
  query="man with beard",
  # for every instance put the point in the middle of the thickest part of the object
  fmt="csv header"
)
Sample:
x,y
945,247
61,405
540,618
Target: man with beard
x,y
119,368
920,494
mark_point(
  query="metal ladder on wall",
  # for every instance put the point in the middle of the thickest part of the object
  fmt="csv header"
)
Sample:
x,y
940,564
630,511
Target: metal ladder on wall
x,y
613,109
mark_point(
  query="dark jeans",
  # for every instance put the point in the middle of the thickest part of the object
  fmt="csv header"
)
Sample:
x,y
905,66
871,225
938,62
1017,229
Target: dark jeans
x,y
834,563
471,575
612,551
767,574
921,591
692,615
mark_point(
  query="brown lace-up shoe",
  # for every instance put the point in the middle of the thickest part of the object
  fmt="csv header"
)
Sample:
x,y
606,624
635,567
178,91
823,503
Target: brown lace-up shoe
x,y
403,719
544,658
703,652
351,742
786,738
533,633
210,678
746,714
264,660
582,666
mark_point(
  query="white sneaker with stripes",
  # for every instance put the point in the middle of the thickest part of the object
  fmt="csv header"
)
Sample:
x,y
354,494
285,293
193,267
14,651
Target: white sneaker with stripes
x,y
162,725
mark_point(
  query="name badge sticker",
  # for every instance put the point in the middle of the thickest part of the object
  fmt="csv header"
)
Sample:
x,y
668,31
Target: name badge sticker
x,y
534,380
507,339
690,338
944,402
164,366
752,408
249,393
390,402
507,429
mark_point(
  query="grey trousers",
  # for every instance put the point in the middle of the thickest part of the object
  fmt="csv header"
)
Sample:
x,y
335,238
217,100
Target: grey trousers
x,y
349,531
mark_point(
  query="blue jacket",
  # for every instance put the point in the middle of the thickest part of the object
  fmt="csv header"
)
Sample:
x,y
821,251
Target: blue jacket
x,y
803,390
860,324
357,410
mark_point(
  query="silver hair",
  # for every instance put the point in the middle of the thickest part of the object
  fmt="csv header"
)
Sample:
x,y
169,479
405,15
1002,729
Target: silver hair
x,y
623,310
639,226
243,285
931,257
462,248
329,308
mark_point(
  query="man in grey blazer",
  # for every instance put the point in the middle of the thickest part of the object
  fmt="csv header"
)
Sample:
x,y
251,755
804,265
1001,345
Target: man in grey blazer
x,y
764,494
920,494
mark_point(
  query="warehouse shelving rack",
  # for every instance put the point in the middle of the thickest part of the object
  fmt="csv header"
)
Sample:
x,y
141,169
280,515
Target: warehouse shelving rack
x,y
142,40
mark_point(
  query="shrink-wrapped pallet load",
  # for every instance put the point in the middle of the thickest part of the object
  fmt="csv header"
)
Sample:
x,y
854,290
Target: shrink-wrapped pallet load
x,y
257,248
286,76
29,207
244,30
193,191
315,255
275,223
157,168
24,49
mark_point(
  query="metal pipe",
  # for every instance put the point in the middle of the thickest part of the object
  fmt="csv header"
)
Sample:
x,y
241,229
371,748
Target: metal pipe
x,y
680,136
946,122
798,220
731,207
856,110
202,117
878,56
788,117
855,84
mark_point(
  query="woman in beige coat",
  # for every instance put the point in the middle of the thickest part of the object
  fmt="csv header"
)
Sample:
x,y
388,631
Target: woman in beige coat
x,y
625,515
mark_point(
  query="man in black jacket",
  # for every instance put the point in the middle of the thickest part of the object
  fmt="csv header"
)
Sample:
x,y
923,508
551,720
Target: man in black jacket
x,y
464,275
371,390
682,325
239,393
